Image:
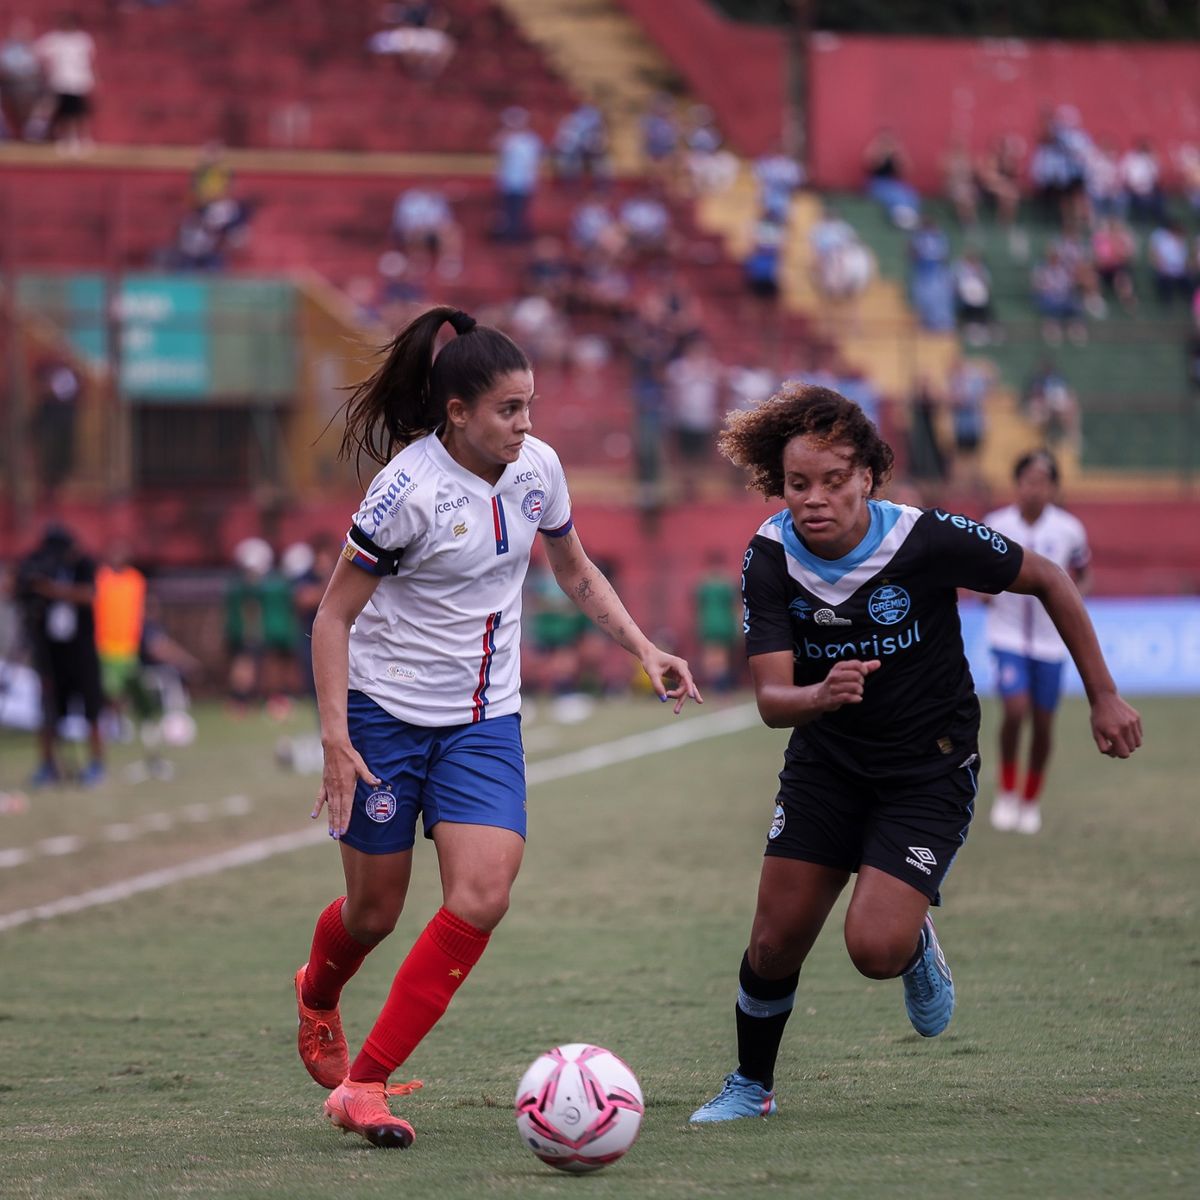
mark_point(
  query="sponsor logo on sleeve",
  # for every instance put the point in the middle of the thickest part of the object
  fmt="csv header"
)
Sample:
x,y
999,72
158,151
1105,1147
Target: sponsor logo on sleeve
x,y
983,532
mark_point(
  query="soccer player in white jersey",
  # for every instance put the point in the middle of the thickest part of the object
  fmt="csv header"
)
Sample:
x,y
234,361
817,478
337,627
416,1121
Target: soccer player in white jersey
x,y
416,662
852,632
1026,648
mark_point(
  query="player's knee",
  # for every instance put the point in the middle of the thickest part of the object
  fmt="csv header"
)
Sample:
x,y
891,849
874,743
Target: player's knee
x,y
368,923
770,956
877,957
482,905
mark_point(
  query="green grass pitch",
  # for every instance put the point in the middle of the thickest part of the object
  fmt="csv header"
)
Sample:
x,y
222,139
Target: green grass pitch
x,y
148,1044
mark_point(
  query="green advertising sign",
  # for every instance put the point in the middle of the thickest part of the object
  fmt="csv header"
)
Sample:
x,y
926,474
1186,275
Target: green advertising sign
x,y
182,337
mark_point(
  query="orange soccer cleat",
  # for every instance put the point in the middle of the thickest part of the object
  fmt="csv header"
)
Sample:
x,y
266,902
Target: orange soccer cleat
x,y
320,1040
363,1108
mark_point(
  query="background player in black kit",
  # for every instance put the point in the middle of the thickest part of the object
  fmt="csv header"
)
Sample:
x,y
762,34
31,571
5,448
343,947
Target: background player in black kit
x,y
853,638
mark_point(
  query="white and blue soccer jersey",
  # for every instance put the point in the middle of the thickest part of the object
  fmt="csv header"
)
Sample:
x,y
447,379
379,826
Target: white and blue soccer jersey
x,y
1020,624
894,598
438,643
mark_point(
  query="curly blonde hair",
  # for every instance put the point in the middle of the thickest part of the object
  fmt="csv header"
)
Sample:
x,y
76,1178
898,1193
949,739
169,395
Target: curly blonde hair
x,y
755,438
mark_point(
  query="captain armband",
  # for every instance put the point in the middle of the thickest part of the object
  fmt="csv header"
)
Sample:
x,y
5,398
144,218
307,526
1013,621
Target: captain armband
x,y
362,552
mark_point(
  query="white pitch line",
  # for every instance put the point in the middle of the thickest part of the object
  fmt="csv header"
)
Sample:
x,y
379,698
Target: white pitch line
x,y
638,745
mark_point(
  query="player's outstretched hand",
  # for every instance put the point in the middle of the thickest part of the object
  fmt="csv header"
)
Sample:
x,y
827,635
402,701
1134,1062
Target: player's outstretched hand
x,y
1116,726
844,683
660,666
344,767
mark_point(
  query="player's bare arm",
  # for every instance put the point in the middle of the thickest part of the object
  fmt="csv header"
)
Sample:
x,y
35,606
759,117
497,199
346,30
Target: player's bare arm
x,y
1116,726
347,594
782,704
597,599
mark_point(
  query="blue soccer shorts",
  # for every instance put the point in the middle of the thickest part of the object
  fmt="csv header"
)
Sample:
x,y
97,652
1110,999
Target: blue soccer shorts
x,y
1019,675
465,774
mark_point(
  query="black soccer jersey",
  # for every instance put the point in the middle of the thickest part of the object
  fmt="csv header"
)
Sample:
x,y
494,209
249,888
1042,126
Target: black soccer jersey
x,y
893,597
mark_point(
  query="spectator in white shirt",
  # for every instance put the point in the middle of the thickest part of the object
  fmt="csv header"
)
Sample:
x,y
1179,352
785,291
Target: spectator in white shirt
x,y
67,55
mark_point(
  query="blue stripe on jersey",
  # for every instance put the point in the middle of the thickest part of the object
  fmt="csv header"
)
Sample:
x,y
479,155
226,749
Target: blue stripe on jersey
x,y
884,515
561,531
501,526
479,701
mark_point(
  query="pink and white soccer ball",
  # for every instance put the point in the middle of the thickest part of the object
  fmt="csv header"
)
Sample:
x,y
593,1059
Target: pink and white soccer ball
x,y
579,1107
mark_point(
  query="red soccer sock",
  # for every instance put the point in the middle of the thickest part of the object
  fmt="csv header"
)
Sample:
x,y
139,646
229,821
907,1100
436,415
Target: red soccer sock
x,y
441,958
1008,776
333,959
1033,787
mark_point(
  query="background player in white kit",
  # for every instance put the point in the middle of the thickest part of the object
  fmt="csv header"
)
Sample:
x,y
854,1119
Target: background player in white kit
x,y
416,658
1028,653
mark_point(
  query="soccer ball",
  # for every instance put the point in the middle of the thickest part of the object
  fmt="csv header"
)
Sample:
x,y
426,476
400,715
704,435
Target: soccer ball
x,y
579,1107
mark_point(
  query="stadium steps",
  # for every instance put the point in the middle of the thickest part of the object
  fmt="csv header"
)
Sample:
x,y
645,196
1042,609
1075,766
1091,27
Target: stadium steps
x,y
607,58
1138,450
877,332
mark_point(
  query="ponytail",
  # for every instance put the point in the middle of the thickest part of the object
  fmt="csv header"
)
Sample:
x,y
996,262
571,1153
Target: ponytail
x,y
405,398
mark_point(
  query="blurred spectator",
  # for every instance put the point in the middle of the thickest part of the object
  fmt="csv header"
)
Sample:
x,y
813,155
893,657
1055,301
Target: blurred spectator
x,y
67,55
580,148
1075,253
120,612
885,164
1168,252
1051,406
1194,343
973,296
763,264
20,82
855,384
1056,297
717,603
926,458
959,180
58,390
1188,161
998,173
1113,249
843,265
1106,193
423,226
518,155
212,178
646,225
417,35
968,388
694,384
548,271
779,178
260,632
710,166
1140,177
541,327
594,227
55,590
660,137
309,573
930,285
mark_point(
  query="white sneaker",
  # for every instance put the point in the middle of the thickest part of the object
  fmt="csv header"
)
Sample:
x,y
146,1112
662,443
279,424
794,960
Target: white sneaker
x,y
1029,819
1006,810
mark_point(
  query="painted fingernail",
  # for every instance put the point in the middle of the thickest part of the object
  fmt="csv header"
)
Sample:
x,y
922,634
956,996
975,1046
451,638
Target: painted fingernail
x,y
663,699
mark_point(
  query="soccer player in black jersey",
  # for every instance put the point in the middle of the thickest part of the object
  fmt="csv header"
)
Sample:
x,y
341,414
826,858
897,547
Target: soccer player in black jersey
x,y
853,637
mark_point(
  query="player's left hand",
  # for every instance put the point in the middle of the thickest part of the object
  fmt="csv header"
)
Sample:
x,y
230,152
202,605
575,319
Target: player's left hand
x,y
1116,726
659,665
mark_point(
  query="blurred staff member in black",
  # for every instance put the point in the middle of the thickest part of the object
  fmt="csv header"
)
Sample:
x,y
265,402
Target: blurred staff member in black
x,y
56,587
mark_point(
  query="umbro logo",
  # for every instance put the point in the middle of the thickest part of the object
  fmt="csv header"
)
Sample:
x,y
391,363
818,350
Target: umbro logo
x,y
826,616
922,858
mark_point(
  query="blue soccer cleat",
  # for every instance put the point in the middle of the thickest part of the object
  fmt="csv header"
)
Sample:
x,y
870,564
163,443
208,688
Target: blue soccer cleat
x,y
45,776
740,1097
929,988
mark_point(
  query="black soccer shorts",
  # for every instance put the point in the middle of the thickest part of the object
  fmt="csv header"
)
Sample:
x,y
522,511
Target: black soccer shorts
x,y
911,831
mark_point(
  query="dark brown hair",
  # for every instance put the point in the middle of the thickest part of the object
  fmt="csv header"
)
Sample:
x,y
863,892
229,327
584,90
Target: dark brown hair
x,y
405,398
755,438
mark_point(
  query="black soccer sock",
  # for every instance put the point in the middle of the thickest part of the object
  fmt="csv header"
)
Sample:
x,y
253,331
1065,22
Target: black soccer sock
x,y
763,1008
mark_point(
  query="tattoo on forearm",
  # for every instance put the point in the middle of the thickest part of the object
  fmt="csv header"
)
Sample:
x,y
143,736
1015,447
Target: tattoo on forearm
x,y
583,589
